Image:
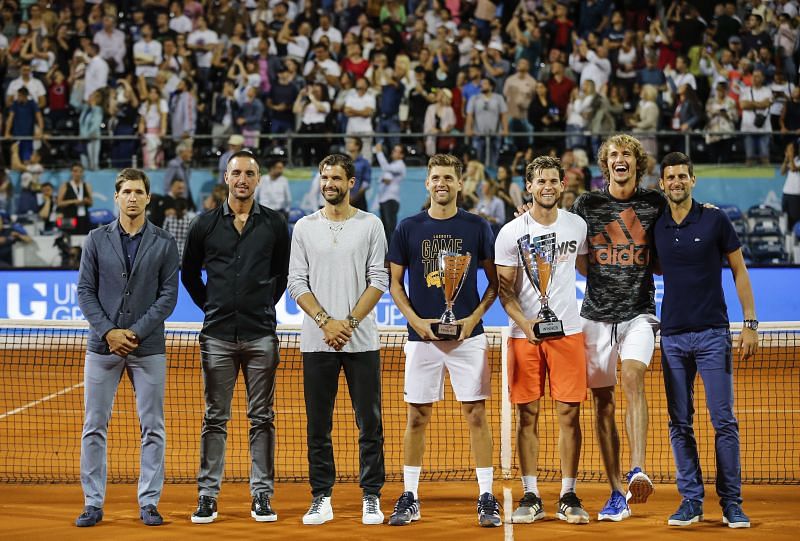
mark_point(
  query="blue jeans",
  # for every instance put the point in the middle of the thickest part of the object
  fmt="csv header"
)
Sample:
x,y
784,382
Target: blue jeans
x,y
750,143
682,356
487,156
388,124
102,374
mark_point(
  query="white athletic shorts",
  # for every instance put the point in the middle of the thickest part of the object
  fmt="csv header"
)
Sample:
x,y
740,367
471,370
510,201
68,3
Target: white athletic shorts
x,y
467,362
634,339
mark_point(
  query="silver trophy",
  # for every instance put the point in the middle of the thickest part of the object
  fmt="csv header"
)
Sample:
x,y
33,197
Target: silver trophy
x,y
453,268
538,257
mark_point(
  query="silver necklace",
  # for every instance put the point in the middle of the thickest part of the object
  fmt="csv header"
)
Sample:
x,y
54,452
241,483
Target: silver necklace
x,y
335,227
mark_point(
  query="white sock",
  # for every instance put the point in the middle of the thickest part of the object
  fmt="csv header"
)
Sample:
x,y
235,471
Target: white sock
x,y
485,479
529,484
411,479
567,485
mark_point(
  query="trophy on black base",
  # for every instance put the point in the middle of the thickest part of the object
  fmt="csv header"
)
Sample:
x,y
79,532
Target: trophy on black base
x,y
453,268
538,257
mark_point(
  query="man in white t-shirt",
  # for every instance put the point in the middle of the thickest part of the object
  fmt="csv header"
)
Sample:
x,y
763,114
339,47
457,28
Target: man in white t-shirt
x,y
202,42
323,69
755,102
147,54
273,191
359,108
111,41
325,28
35,87
530,357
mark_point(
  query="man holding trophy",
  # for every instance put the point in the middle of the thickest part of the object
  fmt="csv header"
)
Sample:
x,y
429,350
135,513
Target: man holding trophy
x,y
536,256
442,248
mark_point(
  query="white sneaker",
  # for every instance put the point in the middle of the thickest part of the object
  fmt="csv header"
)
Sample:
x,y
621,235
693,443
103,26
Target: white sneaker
x,y
371,510
320,511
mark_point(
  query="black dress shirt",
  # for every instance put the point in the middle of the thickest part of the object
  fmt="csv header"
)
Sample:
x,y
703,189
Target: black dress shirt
x,y
245,273
130,244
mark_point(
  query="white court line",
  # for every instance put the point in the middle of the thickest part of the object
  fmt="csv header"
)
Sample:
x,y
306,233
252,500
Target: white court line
x,y
39,401
508,503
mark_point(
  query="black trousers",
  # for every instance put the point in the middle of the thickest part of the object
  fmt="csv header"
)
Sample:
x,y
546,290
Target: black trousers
x,y
389,211
321,384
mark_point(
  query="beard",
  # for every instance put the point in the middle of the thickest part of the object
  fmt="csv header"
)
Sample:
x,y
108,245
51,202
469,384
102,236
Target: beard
x,y
548,206
679,197
334,198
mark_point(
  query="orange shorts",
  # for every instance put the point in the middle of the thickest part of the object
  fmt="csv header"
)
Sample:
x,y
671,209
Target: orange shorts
x,y
564,358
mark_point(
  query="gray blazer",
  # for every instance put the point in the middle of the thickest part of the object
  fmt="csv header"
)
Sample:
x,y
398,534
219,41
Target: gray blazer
x,y
110,299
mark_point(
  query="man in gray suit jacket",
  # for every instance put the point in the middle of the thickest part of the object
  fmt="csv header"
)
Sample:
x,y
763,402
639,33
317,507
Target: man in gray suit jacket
x,y
127,287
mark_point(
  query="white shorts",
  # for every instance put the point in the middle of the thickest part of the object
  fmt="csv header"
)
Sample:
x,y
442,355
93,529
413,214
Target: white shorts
x,y
634,339
467,363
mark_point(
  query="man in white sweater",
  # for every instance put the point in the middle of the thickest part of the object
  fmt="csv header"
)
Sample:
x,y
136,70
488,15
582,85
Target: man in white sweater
x,y
337,275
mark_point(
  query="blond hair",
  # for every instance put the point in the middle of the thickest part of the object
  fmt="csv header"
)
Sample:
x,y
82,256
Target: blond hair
x,y
623,140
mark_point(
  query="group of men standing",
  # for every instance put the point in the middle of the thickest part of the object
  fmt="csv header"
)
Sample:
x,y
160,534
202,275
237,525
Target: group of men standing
x,y
336,270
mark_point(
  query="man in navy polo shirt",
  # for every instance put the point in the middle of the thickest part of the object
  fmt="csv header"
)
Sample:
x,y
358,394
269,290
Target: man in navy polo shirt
x,y
691,241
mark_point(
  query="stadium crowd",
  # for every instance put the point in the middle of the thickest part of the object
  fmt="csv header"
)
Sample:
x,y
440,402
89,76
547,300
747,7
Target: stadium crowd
x,y
489,79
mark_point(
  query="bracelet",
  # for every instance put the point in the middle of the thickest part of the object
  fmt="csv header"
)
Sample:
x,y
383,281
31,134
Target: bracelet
x,y
321,318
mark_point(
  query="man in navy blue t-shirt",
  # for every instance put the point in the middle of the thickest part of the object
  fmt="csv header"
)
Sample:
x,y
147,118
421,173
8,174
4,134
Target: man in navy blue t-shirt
x,y
691,241
415,247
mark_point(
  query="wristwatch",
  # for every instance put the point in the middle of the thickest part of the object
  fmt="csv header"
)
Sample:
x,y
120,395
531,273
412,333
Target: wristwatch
x,y
751,324
354,322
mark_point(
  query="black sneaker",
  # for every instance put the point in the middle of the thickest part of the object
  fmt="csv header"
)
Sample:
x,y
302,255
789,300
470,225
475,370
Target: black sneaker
x,y
571,510
488,511
406,510
206,511
150,515
91,515
530,509
261,510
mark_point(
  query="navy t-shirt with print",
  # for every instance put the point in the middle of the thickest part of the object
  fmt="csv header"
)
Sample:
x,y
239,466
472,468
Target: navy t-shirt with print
x,y
416,244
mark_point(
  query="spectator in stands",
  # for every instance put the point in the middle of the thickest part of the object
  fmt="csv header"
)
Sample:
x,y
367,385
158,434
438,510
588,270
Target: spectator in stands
x,y
313,106
333,34
755,102
273,191
24,120
177,224
201,41
490,207
474,177
96,71
579,113
508,191
166,205
47,208
790,117
10,233
250,119
34,86
391,96
543,115
754,35
440,120
392,176
219,193
363,172
722,114
6,191
180,167
235,144
147,55
355,63
473,85
152,127
74,200
111,43
224,112
591,64
183,111
359,109
791,187
519,91
646,118
495,66
688,114
90,123
487,114
567,199
321,68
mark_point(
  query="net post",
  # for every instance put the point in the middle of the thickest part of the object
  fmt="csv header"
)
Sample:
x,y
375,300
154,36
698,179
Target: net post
x,y
505,407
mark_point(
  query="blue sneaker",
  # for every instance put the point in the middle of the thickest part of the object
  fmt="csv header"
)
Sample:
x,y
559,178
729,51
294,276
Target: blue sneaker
x,y
616,508
91,515
639,486
150,515
734,517
689,512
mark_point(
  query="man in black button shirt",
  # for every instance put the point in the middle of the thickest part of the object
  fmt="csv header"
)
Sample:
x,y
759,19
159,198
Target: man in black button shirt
x,y
244,248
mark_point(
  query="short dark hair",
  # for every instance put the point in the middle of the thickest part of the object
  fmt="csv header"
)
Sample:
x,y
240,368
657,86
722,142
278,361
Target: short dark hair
x,y
446,160
676,158
359,143
128,174
244,154
543,162
342,160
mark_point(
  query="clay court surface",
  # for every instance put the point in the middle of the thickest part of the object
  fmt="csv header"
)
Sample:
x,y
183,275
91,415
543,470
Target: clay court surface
x,y
47,512
41,409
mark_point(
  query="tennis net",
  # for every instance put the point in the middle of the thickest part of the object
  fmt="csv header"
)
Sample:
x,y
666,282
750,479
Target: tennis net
x,y
41,414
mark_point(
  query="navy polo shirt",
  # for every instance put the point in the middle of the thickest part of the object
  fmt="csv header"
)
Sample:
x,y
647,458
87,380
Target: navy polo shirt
x,y
691,255
130,245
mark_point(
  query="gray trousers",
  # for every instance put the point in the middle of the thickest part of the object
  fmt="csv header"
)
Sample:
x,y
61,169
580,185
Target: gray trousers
x,y
258,360
102,374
